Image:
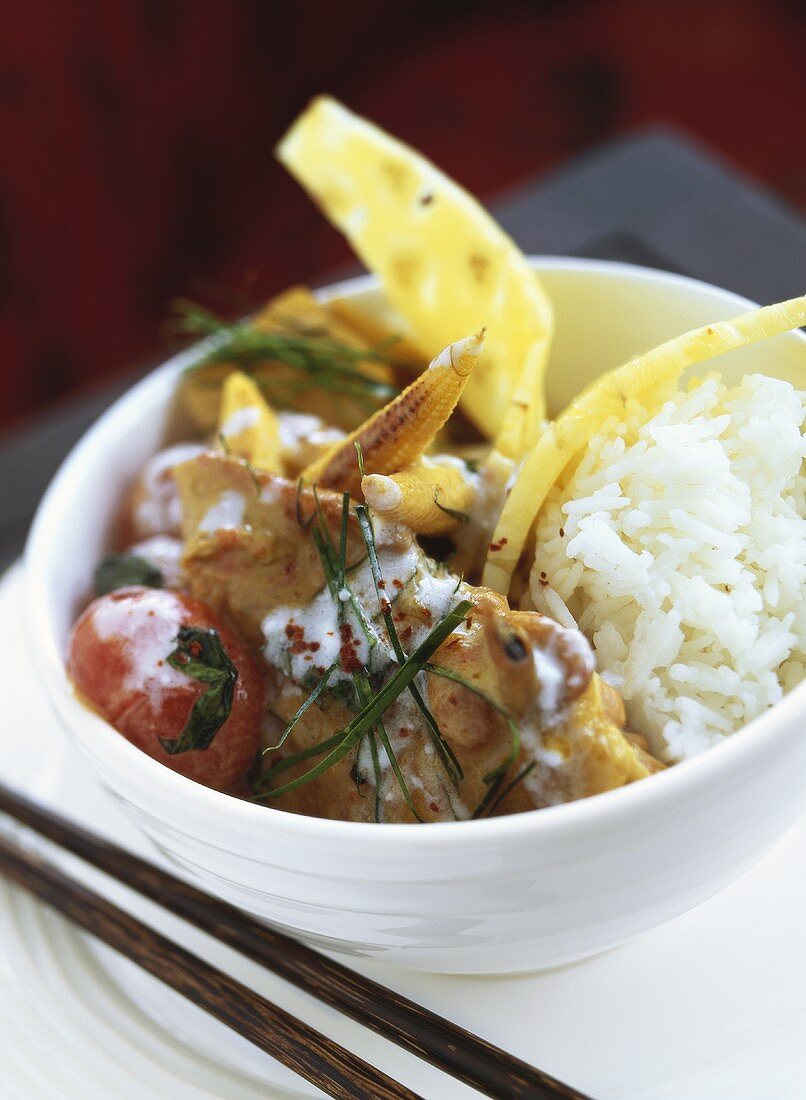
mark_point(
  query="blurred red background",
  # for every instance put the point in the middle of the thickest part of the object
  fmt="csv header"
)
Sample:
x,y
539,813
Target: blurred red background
x,y
136,137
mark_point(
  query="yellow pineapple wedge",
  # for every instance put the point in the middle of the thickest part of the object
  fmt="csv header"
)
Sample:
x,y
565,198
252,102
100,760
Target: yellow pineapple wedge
x,y
445,265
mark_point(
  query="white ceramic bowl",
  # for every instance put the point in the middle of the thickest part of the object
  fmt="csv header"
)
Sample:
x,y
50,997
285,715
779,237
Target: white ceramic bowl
x,y
523,892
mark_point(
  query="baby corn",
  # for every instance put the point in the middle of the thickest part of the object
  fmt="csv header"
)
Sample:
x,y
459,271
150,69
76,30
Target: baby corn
x,y
431,499
399,433
248,427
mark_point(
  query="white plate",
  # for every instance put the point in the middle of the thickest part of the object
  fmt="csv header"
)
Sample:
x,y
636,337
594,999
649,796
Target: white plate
x,y
710,1006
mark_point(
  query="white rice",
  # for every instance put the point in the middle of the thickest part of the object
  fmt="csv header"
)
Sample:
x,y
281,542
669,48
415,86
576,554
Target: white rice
x,y
683,558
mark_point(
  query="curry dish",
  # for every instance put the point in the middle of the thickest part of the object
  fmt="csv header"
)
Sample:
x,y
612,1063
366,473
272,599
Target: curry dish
x,y
339,594
322,602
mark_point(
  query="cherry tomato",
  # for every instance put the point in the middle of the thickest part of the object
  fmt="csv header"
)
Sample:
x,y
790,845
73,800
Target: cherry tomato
x,y
118,660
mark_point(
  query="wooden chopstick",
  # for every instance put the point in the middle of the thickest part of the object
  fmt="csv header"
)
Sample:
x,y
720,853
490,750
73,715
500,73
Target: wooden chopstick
x,y
306,1051
467,1057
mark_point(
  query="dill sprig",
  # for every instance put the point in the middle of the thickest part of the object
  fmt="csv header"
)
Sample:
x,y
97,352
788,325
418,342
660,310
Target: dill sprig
x,y
322,363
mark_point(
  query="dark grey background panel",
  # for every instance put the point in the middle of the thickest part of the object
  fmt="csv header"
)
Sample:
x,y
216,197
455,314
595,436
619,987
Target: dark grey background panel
x,y
678,202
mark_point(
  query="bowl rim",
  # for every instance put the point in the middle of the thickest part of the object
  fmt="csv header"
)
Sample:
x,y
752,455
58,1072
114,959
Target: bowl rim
x,y
616,806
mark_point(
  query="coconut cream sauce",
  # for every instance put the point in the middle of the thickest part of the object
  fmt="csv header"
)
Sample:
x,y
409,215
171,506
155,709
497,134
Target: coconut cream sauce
x,y
315,637
326,635
159,512
165,554
240,420
555,677
145,649
226,514
298,428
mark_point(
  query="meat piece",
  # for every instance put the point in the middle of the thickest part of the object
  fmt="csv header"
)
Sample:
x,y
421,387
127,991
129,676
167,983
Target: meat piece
x,y
248,548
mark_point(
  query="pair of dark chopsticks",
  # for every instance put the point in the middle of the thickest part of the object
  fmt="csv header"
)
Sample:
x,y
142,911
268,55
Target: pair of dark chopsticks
x,y
308,1052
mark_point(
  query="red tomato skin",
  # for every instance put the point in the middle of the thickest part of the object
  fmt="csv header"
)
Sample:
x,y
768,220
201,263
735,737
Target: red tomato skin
x,y
117,661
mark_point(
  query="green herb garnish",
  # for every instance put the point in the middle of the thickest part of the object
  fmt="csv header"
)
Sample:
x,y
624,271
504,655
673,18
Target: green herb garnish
x,y
334,567
309,701
454,513
367,727
344,692
123,570
358,778
366,695
340,744
321,362
376,769
401,782
200,654
518,778
494,779
359,453
444,750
